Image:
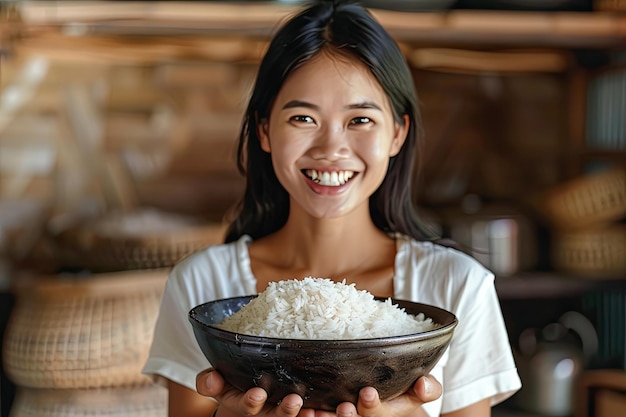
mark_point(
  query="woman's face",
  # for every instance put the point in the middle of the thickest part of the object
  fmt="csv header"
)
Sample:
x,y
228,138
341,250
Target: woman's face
x,y
330,133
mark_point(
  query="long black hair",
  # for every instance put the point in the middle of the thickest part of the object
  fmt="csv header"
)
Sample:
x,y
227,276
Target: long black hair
x,y
349,29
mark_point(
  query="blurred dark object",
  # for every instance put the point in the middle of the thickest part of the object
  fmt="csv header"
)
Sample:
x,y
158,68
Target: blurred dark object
x,y
601,393
605,126
606,307
7,388
610,5
527,5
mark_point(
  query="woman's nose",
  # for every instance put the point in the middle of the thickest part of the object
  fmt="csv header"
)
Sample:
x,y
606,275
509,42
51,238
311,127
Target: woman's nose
x,y
331,143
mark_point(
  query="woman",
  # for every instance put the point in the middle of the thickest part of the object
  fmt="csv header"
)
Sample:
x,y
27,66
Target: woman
x,y
328,146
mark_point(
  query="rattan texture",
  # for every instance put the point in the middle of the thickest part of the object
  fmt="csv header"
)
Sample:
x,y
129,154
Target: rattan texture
x,y
82,248
77,337
146,401
588,201
592,253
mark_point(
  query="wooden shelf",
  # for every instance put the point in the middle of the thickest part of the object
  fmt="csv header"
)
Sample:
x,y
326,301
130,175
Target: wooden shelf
x,y
509,28
552,285
501,411
608,155
449,27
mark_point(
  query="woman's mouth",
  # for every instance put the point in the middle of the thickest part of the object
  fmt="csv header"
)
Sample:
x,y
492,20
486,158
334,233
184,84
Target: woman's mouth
x,y
328,178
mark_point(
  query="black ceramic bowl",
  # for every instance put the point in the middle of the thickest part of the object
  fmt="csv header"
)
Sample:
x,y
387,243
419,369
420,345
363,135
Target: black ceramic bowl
x,y
323,372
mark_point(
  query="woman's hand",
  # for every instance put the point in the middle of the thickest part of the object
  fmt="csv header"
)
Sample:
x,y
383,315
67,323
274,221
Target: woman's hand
x,y
426,389
234,402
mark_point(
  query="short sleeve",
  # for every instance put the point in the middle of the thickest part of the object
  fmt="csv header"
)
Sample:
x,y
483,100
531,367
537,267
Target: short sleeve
x,y
480,364
174,353
219,271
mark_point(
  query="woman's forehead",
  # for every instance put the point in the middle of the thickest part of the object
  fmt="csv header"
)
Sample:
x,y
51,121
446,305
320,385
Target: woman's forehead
x,y
330,72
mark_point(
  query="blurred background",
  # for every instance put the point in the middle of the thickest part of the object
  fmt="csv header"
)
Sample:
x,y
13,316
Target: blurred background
x,y
118,127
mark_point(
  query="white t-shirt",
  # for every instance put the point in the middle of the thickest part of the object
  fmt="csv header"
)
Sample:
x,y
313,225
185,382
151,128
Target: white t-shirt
x,y
478,364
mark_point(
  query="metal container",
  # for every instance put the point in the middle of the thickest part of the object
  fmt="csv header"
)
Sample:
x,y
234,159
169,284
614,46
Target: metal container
x,y
550,361
501,238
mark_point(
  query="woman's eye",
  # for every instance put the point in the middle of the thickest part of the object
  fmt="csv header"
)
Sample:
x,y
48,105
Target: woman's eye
x,y
302,119
360,120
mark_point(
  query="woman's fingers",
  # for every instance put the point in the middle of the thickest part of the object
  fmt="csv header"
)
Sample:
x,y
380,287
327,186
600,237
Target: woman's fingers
x,y
252,402
209,383
346,410
369,403
289,406
427,389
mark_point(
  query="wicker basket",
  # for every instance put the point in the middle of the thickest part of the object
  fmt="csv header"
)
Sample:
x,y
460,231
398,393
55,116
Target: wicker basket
x,y
82,332
146,401
592,253
159,240
588,201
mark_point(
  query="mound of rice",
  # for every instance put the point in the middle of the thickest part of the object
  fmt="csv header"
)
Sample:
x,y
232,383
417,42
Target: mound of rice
x,y
319,308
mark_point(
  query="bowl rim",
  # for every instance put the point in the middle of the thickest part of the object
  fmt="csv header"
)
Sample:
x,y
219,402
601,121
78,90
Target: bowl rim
x,y
320,343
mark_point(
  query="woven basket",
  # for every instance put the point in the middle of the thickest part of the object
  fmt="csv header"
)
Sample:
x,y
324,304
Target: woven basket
x,y
89,332
146,401
99,249
587,201
592,253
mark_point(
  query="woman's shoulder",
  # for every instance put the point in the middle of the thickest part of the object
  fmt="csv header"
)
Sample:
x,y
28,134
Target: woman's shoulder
x,y
224,253
439,259
440,275
222,265
432,248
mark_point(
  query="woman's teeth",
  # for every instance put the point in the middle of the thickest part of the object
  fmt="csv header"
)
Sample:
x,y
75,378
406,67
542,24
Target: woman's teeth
x,y
331,179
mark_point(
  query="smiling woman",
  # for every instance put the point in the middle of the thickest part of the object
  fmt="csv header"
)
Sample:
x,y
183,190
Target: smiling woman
x,y
328,148
347,126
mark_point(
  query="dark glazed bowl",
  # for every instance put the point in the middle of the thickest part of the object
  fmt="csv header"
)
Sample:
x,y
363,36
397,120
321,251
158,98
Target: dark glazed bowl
x,y
323,372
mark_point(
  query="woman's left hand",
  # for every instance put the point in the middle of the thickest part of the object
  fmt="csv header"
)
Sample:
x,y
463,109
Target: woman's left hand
x,y
426,389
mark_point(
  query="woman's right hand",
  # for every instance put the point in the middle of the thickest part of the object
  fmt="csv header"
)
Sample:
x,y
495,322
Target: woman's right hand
x,y
233,402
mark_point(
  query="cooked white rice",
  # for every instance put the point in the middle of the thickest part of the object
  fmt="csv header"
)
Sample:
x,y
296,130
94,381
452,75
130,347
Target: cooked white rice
x,y
318,308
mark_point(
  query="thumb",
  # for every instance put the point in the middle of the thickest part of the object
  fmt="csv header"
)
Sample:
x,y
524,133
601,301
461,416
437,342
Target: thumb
x,y
427,388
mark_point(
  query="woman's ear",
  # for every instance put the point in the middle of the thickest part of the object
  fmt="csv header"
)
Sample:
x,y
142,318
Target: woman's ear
x,y
399,136
262,133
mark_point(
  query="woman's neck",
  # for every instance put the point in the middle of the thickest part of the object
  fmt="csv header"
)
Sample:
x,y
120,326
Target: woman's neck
x,y
330,248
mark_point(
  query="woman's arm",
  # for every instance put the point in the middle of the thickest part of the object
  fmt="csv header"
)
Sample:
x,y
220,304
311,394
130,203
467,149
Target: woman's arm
x,y
480,409
184,402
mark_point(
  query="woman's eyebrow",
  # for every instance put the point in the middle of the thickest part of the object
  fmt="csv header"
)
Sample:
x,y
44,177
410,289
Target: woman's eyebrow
x,y
361,105
364,105
299,103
